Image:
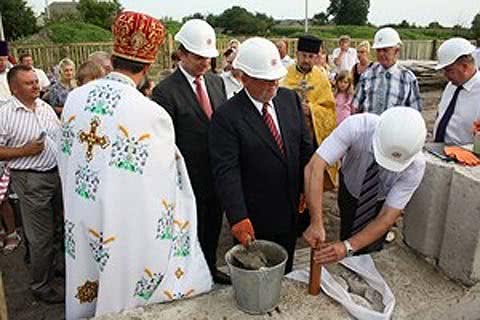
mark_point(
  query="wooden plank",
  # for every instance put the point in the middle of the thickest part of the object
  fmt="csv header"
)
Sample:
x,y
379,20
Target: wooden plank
x,y
3,300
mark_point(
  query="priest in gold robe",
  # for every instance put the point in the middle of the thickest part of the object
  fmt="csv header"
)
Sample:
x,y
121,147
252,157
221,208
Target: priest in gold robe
x,y
316,92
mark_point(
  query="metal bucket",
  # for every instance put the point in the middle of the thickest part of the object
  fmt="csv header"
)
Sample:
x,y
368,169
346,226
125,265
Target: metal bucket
x,y
258,291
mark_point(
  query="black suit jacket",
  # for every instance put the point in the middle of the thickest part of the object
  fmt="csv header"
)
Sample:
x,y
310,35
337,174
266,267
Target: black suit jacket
x,y
176,96
252,177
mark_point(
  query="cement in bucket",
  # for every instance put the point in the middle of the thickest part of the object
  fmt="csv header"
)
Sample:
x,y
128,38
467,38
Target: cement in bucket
x,y
258,291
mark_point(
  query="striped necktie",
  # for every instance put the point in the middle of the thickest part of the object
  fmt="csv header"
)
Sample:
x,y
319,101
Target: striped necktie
x,y
267,118
442,125
367,201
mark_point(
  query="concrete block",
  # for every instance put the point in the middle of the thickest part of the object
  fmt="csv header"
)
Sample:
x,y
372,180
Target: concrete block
x,y
460,250
424,219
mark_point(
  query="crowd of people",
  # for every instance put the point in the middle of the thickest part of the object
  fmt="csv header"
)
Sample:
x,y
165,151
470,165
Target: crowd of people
x,y
123,182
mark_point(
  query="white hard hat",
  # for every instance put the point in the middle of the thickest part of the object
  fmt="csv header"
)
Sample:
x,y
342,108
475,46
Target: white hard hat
x,y
451,50
398,138
198,37
386,37
259,58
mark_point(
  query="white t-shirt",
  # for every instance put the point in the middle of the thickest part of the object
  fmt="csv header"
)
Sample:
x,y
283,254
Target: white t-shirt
x,y
42,79
348,61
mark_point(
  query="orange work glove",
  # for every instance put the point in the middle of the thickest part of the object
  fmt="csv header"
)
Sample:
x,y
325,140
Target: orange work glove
x,y
461,155
243,231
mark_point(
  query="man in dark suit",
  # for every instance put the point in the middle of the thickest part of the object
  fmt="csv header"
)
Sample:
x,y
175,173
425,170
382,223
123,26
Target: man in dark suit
x,y
259,145
190,95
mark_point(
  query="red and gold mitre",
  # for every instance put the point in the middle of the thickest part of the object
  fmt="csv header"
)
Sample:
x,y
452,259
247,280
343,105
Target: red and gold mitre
x,y
137,36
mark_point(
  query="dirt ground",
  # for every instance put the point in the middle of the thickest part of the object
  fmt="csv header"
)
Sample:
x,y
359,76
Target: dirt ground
x,y
22,305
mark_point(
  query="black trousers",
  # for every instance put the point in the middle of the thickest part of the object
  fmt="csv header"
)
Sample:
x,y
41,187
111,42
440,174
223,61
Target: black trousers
x,y
348,206
209,225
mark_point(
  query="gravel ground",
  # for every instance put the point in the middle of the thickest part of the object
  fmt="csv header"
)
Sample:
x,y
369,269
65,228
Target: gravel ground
x,y
22,306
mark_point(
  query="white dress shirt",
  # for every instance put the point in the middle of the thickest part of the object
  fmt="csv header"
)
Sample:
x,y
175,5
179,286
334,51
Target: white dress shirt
x,y
467,110
4,88
191,80
271,110
352,140
348,60
287,61
476,56
232,85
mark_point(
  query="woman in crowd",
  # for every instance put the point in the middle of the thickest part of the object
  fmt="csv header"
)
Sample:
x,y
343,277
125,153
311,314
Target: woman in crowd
x,y
363,54
59,91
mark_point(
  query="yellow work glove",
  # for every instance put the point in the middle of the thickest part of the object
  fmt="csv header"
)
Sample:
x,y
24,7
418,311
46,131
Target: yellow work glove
x,y
461,155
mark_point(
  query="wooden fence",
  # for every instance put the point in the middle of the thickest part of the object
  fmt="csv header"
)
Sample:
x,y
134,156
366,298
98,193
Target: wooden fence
x,y
46,56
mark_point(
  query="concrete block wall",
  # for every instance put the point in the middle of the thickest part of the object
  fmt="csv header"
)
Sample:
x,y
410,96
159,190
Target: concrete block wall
x,y
460,253
443,219
424,218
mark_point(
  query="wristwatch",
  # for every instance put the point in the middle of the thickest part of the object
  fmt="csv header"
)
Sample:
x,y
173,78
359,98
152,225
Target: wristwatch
x,y
348,248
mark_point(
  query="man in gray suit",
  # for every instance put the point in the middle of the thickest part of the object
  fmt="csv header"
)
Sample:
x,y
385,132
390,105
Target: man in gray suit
x,y
190,95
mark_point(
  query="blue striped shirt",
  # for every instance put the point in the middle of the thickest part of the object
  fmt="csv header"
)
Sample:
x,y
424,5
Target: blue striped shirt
x,y
379,89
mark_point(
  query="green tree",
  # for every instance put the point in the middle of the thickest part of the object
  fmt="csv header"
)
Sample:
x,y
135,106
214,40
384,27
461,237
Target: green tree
x,y
99,13
349,12
476,26
320,19
172,25
239,20
404,24
196,15
435,25
18,19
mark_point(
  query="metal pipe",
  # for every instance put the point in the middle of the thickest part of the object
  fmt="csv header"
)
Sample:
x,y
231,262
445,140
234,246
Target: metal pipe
x,y
2,35
306,16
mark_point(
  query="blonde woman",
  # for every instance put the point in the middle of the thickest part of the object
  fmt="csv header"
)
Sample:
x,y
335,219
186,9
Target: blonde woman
x,y
59,91
363,54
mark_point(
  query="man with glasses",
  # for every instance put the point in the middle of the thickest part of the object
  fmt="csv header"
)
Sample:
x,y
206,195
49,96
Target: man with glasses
x,y
386,84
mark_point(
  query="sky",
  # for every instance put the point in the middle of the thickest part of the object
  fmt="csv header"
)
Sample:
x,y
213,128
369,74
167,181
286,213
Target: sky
x,y
422,12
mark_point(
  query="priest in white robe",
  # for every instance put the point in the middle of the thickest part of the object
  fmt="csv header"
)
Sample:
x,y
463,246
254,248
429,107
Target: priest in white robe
x,y
130,216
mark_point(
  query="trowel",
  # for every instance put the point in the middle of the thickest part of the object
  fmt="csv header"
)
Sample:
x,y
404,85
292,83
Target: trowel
x,y
250,257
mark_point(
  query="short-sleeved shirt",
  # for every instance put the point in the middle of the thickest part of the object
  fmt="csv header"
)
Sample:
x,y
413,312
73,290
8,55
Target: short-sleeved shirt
x,y
352,140
380,89
42,78
348,61
20,125
232,85
467,110
4,87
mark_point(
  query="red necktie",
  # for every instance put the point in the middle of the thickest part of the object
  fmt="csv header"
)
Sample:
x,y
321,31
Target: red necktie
x,y
271,126
202,98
